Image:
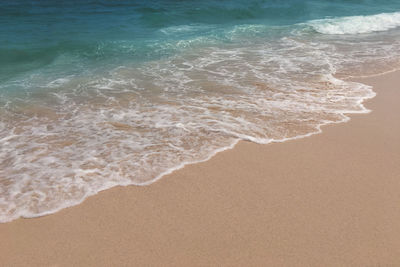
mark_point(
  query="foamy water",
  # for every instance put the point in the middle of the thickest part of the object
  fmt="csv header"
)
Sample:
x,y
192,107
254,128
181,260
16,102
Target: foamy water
x,y
357,24
82,132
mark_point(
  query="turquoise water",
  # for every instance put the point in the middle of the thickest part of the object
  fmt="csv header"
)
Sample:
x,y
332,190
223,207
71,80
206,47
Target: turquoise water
x,y
35,34
95,94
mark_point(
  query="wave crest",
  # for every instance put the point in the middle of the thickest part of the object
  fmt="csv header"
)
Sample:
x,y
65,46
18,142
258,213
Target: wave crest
x,y
357,24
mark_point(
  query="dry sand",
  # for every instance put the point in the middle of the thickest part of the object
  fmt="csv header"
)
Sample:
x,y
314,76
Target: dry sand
x,y
328,200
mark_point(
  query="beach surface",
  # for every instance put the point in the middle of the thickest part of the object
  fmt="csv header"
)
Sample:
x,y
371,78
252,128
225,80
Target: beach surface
x,y
331,199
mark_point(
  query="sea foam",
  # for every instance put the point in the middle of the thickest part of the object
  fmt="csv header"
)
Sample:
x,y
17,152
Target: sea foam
x,y
117,122
133,124
357,24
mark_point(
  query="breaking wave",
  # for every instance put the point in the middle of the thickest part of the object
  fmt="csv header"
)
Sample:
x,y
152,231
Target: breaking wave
x,y
357,24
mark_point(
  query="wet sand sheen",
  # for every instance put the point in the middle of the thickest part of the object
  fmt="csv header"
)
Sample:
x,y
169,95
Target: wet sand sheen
x,y
328,200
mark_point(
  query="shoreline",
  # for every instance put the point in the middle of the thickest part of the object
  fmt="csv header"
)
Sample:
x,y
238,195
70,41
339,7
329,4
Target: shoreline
x,y
275,168
346,116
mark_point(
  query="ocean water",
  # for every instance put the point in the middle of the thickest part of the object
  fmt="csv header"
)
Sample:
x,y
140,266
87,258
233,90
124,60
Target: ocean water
x,y
95,94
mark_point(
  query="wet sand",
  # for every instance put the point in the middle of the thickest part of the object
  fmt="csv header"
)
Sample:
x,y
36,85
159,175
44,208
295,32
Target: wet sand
x,y
332,199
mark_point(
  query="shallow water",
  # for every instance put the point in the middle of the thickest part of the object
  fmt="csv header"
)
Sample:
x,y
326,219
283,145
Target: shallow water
x,y
96,94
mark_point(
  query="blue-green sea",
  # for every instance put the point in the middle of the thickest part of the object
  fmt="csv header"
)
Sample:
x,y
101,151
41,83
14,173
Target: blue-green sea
x,y
95,94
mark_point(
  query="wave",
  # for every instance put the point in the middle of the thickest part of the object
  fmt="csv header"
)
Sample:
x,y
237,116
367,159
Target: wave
x,y
131,125
357,24
93,114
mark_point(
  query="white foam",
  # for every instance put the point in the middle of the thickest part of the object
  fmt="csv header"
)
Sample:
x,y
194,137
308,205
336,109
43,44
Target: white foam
x,y
357,24
132,125
184,29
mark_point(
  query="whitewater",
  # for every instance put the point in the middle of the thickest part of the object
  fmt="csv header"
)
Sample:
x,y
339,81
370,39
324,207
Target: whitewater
x,y
127,112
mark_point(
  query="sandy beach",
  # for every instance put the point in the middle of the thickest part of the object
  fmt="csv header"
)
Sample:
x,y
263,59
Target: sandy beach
x,y
332,199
